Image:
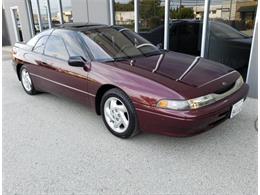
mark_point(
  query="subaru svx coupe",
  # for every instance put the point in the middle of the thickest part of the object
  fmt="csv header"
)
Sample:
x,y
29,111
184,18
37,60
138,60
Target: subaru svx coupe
x,y
134,85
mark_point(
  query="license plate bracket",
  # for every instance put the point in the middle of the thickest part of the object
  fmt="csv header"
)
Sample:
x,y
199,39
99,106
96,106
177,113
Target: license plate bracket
x,y
236,108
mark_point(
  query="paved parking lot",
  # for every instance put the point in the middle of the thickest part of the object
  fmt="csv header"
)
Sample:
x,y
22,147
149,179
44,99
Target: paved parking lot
x,y
53,145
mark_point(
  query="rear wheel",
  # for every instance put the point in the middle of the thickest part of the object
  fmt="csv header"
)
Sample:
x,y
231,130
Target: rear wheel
x,y
118,114
27,81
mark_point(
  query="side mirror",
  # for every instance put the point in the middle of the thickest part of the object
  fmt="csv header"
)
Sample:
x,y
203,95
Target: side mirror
x,y
77,61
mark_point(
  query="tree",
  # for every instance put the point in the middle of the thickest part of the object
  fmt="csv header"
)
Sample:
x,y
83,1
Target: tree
x,y
183,13
124,6
151,13
149,8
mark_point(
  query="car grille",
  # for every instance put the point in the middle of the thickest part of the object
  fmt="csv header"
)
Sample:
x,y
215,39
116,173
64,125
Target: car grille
x,y
221,118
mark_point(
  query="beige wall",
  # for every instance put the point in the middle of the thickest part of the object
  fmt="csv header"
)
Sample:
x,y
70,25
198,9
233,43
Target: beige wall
x,y
126,17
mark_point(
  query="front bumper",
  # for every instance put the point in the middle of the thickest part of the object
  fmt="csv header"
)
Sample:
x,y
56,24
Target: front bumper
x,y
186,123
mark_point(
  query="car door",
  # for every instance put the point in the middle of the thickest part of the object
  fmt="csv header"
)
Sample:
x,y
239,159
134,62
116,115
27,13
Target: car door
x,y
33,56
57,76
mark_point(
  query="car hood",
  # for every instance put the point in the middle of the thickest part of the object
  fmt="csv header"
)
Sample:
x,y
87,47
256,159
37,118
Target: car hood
x,y
193,71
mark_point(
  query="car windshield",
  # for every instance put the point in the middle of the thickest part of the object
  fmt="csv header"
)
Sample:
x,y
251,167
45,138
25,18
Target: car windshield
x,y
225,31
110,44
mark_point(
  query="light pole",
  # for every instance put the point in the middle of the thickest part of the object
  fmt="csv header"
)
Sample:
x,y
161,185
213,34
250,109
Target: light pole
x,y
204,28
136,15
166,24
112,12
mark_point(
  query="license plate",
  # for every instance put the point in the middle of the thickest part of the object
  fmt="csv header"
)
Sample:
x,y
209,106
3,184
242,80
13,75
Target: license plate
x,y
236,108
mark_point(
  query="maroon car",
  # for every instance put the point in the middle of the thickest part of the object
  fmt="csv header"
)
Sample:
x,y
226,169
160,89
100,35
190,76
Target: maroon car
x,y
134,85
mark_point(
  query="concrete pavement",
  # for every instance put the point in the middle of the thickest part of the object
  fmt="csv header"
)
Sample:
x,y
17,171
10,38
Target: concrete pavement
x,y
53,145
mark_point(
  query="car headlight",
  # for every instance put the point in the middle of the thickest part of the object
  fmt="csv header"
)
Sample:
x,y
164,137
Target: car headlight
x,y
186,104
174,104
200,101
240,81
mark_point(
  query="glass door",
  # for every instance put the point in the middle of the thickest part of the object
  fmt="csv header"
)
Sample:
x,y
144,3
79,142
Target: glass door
x,y
230,30
16,23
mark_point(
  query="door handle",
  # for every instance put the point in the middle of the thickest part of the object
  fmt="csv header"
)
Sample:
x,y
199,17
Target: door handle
x,y
43,64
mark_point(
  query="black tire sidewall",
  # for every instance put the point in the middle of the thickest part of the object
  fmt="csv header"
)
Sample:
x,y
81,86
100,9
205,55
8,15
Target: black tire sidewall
x,y
130,109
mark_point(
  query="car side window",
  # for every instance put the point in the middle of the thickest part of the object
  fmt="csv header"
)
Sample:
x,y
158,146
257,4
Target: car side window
x,y
73,45
55,47
33,40
39,46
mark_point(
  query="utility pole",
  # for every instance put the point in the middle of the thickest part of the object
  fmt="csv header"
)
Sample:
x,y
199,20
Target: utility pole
x,y
166,24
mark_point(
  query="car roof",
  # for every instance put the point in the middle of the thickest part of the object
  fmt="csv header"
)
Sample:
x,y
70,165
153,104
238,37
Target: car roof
x,y
80,26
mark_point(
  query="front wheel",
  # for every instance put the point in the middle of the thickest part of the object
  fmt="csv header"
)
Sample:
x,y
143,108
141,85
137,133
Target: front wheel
x,y
119,114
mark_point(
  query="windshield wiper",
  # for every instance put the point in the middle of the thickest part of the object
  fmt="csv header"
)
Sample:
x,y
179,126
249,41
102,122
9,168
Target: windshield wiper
x,y
152,53
121,58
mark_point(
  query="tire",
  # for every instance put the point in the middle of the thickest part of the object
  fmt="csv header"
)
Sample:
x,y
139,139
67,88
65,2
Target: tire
x,y
116,110
27,81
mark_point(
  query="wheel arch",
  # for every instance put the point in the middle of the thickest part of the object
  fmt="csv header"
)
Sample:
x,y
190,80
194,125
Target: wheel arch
x,y
100,92
18,68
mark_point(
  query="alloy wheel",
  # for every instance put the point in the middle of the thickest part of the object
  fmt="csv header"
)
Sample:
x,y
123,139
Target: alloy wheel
x,y
26,80
116,114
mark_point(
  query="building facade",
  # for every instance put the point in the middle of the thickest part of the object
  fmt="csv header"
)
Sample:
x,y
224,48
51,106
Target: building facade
x,y
25,18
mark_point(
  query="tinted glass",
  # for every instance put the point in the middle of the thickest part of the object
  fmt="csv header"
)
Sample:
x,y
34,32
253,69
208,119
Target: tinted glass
x,y
39,47
151,14
55,14
34,40
124,13
225,31
55,47
230,27
35,16
112,44
44,14
72,43
186,38
67,11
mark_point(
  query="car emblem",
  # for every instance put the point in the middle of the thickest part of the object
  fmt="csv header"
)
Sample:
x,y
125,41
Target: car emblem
x,y
224,83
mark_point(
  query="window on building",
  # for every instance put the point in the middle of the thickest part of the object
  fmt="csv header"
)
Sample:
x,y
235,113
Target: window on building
x,y
55,12
17,22
35,16
44,14
229,33
124,13
151,14
67,11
